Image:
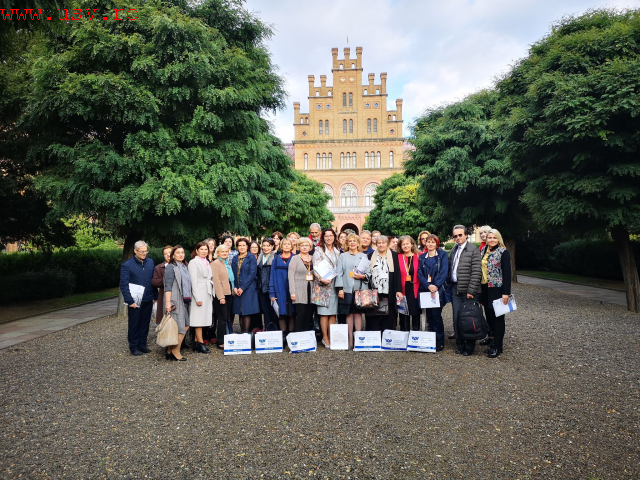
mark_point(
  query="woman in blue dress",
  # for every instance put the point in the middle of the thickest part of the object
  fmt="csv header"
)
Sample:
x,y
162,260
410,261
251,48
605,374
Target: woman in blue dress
x,y
279,287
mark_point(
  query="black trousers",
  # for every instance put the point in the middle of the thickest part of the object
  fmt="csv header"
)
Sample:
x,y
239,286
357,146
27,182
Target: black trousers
x,y
138,328
304,316
223,312
384,322
405,326
496,324
456,303
268,311
434,319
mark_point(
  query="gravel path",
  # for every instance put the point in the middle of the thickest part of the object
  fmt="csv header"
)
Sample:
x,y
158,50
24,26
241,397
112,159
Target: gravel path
x,y
561,402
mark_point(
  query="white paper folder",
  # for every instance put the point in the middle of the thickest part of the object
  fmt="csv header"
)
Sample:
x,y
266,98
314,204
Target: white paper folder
x,y
500,308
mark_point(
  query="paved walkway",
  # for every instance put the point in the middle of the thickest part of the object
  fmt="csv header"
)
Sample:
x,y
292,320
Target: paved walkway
x,y
593,293
29,328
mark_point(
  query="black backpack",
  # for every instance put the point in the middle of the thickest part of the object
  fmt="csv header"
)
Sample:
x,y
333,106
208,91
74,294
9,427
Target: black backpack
x,y
471,322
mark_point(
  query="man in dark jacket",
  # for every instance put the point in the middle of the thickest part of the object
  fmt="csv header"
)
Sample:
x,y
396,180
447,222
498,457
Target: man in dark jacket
x,y
139,271
465,273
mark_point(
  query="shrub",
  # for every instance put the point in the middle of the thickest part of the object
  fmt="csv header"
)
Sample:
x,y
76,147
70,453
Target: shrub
x,y
29,286
590,258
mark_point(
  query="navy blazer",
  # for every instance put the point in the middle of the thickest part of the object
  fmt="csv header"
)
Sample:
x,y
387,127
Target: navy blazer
x,y
140,273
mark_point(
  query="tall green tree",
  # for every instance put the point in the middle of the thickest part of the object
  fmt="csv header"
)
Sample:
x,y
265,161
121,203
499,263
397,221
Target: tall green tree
x,y
396,208
155,124
463,176
573,125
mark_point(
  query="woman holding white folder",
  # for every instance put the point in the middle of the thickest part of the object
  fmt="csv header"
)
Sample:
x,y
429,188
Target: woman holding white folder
x,y
327,254
433,270
495,284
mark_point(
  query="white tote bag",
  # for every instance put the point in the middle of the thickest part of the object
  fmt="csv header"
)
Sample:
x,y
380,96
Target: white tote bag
x,y
237,344
339,336
269,342
302,341
422,342
395,341
367,342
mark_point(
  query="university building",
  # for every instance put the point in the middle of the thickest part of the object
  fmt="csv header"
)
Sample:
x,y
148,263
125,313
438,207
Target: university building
x,y
347,139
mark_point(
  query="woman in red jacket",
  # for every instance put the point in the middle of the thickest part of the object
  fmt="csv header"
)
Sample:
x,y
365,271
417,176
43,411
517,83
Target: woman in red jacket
x,y
408,258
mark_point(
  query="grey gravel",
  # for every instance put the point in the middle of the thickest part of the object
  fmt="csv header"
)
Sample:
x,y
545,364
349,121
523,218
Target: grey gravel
x,y
561,402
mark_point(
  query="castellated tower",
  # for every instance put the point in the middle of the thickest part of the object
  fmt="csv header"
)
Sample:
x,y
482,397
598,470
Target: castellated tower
x,y
348,140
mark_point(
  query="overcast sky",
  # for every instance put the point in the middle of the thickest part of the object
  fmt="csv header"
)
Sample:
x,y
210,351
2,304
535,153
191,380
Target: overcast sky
x,y
434,52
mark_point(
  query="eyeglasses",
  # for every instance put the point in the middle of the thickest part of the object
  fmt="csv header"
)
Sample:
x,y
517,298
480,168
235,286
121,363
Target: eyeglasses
x,y
459,235
423,238
143,251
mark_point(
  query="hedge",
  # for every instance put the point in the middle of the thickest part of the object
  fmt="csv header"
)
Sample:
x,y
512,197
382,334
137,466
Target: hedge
x,y
590,258
61,273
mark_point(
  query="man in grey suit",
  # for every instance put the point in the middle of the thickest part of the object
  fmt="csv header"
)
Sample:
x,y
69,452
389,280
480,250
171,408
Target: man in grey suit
x,y
465,273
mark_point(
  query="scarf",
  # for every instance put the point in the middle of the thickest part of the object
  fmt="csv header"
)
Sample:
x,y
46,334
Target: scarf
x,y
380,274
229,270
389,257
186,282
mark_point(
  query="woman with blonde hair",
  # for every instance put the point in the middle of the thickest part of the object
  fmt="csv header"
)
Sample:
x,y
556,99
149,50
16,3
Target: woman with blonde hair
x,y
300,285
222,278
409,260
279,292
293,236
349,280
495,284
422,240
482,231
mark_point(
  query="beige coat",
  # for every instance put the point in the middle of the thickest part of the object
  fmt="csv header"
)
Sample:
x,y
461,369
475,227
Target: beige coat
x,y
220,278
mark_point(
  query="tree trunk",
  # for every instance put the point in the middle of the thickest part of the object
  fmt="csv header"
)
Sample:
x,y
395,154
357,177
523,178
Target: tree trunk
x,y
629,268
510,243
127,252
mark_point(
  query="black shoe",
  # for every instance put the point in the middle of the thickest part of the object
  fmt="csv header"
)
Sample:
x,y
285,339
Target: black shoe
x,y
487,350
439,348
486,341
200,348
136,352
452,336
466,354
144,349
494,352
458,351
167,355
172,357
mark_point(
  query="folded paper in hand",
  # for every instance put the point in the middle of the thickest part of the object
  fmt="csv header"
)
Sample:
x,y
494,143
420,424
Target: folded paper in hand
x,y
276,308
137,292
363,266
325,270
426,301
500,308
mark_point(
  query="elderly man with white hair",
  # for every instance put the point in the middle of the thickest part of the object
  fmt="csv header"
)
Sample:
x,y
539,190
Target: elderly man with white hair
x,y
138,270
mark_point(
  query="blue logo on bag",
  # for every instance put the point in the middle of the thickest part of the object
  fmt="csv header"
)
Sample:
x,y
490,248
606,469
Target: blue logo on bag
x,y
415,339
230,342
293,344
388,340
361,339
262,340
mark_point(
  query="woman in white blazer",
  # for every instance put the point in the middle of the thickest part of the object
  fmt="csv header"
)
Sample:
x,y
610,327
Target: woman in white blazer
x,y
202,293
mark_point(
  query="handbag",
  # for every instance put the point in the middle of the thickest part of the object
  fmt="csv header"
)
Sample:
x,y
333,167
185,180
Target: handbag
x,y
382,308
320,295
167,331
366,298
344,304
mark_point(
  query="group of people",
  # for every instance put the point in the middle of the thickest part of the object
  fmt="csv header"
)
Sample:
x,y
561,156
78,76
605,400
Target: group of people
x,y
281,283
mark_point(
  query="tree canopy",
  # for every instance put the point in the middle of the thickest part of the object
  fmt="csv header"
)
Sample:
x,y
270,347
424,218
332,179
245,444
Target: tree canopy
x,y
572,118
396,208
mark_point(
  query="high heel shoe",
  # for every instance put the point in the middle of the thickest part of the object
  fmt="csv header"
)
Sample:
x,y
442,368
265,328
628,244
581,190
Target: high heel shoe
x,y
172,357
200,348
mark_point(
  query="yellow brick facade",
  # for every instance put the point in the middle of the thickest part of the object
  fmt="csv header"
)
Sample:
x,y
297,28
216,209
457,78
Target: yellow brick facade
x,y
348,140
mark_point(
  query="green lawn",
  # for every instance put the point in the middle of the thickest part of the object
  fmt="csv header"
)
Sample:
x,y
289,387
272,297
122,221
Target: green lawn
x,y
567,277
14,311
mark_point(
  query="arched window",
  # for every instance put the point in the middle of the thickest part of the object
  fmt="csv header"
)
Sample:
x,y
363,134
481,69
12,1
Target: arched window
x,y
320,127
329,93
317,93
348,195
348,160
330,163
391,159
306,161
377,91
344,99
372,164
342,161
353,65
306,119
365,91
326,127
324,161
341,66
350,126
366,159
344,126
368,125
369,192
375,125
394,117
389,117
351,99
317,161
378,160
353,157
301,120
329,190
